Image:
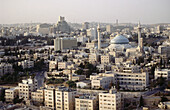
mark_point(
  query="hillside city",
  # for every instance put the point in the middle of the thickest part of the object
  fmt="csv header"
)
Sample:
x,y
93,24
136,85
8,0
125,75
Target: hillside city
x,y
84,66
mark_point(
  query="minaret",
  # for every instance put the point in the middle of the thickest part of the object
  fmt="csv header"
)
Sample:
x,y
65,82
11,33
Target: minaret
x,y
139,34
140,39
99,37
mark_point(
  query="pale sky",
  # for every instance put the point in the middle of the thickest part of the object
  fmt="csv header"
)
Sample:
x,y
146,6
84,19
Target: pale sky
x,y
78,11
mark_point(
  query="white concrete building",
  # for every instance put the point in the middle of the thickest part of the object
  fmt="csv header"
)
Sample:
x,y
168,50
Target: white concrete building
x,y
64,99
11,93
25,89
86,103
37,96
164,72
62,65
93,58
26,64
132,81
105,59
110,101
49,101
101,82
64,43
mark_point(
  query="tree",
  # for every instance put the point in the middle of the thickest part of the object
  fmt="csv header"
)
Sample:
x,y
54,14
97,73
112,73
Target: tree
x,y
118,85
161,81
17,100
141,101
65,58
71,84
164,99
2,96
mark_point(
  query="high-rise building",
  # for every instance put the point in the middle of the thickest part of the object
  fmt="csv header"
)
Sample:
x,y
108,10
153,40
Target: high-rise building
x,y
109,28
44,29
85,25
62,26
92,33
64,43
117,22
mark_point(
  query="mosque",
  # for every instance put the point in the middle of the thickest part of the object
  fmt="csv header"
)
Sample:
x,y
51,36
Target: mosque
x,y
121,43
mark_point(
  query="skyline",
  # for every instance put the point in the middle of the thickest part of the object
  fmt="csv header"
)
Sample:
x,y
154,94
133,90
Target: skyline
x,y
107,11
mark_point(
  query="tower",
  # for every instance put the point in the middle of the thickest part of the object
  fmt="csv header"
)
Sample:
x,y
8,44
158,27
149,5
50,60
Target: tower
x,y
139,34
140,40
117,22
99,37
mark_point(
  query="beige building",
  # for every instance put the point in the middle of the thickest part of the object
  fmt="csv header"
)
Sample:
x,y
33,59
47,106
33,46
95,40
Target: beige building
x,y
164,72
60,98
110,101
11,93
101,82
26,64
132,81
52,65
64,43
109,28
78,77
43,29
25,89
91,45
62,65
37,96
93,58
105,59
49,101
86,103
64,99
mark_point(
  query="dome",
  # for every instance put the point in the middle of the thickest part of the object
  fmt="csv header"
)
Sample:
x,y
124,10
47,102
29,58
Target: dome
x,y
119,39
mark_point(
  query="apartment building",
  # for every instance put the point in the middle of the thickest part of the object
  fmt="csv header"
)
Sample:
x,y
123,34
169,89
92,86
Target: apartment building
x,y
26,64
25,89
132,81
78,77
105,59
101,82
49,98
93,58
37,96
59,98
65,99
62,65
165,73
5,68
86,103
52,65
110,101
11,93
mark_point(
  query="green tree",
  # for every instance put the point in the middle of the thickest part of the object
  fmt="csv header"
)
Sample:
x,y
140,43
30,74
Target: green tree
x,y
118,85
141,101
71,84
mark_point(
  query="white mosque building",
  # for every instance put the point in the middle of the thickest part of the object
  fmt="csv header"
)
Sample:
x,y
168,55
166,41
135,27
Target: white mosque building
x,y
119,43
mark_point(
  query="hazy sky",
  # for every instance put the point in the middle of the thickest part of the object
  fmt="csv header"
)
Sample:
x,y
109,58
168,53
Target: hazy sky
x,y
129,11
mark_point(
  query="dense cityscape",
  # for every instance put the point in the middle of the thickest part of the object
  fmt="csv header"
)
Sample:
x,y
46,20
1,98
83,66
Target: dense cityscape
x,y
84,66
